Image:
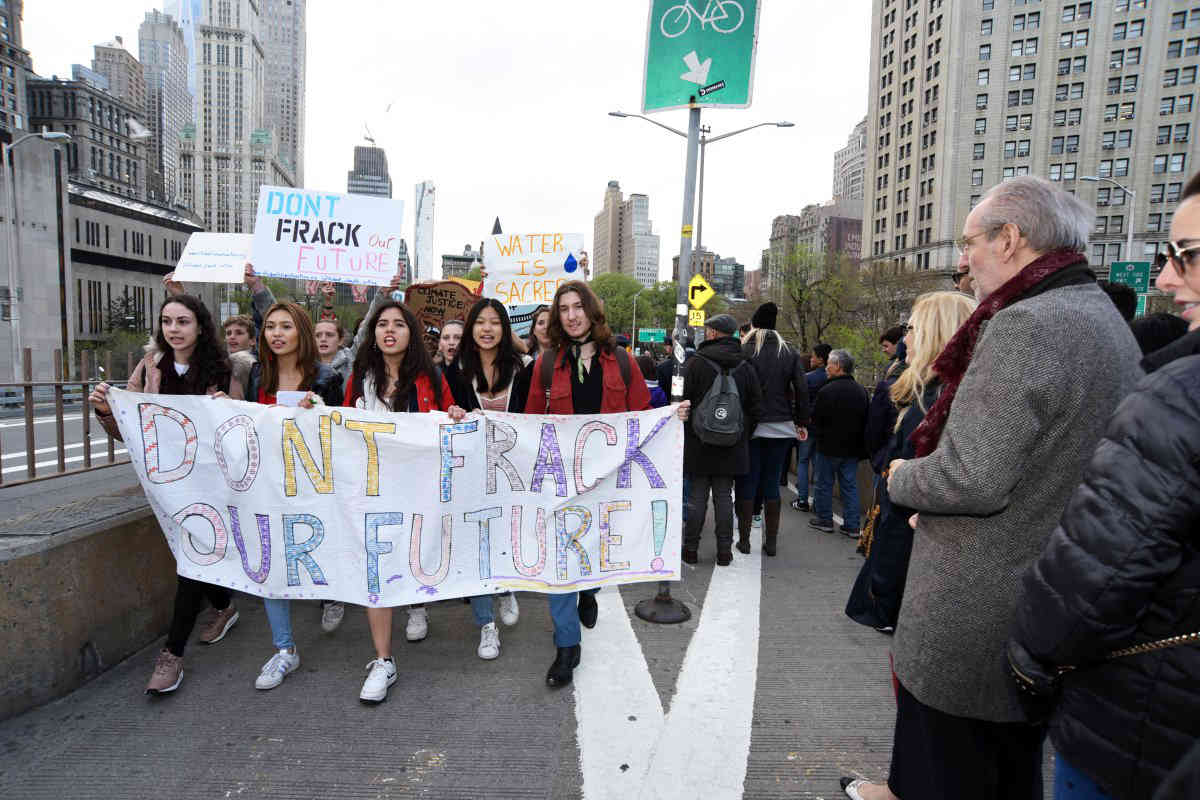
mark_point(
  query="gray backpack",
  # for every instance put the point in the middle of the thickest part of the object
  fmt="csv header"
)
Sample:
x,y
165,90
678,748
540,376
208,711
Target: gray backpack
x,y
718,420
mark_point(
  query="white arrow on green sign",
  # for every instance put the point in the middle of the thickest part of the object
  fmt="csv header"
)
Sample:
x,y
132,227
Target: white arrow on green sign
x,y
702,49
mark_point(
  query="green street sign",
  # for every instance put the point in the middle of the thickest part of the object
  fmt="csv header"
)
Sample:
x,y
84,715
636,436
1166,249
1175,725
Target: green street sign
x,y
1141,306
702,49
658,335
1131,273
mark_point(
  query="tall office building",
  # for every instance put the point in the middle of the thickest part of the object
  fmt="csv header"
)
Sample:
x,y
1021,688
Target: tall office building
x,y
186,12
370,174
964,95
15,66
286,52
423,268
231,152
848,165
164,56
623,238
832,230
123,72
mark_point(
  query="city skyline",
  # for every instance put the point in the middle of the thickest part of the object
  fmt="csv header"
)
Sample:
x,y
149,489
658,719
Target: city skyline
x,y
456,115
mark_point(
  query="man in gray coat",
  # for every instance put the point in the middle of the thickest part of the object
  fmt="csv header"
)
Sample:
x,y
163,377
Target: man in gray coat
x,y
1029,382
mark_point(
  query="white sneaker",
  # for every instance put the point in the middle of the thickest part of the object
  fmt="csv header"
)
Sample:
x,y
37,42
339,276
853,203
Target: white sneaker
x,y
418,625
331,616
489,642
381,673
509,611
276,669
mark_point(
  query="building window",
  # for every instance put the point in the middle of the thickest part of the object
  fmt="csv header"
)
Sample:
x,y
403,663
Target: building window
x,y
1056,172
977,177
1120,167
981,101
981,125
978,152
983,77
985,27
1160,164
985,52
1177,162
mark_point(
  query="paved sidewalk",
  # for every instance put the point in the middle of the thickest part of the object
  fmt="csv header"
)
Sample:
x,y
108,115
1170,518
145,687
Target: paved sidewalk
x,y
456,726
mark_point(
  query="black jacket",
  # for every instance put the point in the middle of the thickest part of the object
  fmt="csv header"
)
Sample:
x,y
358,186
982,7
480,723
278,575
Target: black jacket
x,y
328,385
1122,569
881,419
706,459
781,377
464,392
840,418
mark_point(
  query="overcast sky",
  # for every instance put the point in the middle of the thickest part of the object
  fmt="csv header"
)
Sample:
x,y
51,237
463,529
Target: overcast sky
x,y
503,105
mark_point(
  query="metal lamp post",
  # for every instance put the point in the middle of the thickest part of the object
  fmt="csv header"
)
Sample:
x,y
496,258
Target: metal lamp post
x,y
1132,197
14,308
635,297
663,608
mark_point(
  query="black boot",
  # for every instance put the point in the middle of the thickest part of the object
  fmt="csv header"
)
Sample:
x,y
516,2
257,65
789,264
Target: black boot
x,y
563,668
770,526
745,520
588,610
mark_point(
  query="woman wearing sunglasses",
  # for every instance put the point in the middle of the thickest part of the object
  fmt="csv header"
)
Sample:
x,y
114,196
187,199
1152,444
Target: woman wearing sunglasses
x,y
1122,570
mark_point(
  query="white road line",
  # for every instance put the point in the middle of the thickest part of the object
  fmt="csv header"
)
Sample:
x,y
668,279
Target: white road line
x,y
41,452
39,421
617,707
705,742
54,462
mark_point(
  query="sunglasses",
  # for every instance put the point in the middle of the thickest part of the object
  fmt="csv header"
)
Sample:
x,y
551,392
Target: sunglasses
x,y
1183,258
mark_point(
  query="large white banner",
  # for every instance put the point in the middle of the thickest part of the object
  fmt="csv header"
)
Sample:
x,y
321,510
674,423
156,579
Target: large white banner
x,y
310,235
392,509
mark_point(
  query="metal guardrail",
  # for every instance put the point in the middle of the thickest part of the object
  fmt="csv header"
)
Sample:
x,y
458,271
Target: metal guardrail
x,y
62,391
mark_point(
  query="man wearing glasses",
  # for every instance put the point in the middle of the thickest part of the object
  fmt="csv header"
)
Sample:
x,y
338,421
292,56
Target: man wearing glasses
x,y
1021,409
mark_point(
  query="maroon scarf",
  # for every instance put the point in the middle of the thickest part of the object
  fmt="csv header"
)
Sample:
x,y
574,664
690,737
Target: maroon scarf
x,y
952,364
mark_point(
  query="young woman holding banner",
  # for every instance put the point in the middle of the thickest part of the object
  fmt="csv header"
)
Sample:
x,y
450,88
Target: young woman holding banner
x,y
589,374
489,374
288,362
393,372
188,357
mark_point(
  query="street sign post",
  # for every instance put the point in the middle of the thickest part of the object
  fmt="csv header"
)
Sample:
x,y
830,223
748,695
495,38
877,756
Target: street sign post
x,y
1135,274
656,335
696,318
699,291
1141,306
701,51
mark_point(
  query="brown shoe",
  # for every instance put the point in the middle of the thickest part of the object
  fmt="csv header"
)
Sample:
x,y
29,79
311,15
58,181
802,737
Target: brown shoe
x,y
219,625
168,673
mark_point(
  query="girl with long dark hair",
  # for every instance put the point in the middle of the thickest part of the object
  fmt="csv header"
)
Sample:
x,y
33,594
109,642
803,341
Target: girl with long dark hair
x,y
539,336
188,358
490,374
394,372
288,362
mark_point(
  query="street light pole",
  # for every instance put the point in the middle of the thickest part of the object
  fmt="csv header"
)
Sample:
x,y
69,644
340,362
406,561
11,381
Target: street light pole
x,y
635,297
14,308
1132,198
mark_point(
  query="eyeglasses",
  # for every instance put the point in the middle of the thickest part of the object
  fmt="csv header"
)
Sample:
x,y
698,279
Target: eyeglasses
x,y
1183,258
964,243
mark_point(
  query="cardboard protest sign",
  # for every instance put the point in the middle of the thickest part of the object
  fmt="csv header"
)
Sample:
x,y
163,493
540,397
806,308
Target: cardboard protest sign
x,y
383,509
214,258
435,303
525,269
346,238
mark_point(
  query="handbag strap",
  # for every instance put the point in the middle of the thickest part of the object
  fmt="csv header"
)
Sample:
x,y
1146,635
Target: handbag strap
x,y
1147,647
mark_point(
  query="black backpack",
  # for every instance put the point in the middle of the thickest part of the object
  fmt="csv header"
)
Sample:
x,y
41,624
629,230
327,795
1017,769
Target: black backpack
x,y
718,419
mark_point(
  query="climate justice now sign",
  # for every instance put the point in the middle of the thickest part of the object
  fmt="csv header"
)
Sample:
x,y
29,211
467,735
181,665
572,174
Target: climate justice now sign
x,y
383,509
346,238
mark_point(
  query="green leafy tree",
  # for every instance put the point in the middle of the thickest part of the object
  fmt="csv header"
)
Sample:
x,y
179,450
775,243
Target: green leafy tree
x,y
617,291
474,274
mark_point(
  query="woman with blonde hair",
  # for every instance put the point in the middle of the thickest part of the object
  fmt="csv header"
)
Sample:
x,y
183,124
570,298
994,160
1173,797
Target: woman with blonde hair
x,y
875,599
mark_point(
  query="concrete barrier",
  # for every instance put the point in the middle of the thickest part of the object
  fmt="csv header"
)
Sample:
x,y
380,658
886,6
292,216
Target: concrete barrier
x,y
74,604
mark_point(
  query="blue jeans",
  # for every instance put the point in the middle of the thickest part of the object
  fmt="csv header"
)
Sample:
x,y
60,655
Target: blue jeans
x,y
804,454
846,470
481,607
766,467
279,614
1071,784
564,610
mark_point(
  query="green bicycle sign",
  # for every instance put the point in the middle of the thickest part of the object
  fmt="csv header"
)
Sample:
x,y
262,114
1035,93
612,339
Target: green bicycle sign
x,y
701,52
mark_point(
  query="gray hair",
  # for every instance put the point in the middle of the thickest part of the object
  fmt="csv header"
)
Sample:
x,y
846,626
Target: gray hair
x,y
844,360
1048,217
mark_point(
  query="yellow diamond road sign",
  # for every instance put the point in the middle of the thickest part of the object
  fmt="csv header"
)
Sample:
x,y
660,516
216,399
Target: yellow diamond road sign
x,y
696,318
699,292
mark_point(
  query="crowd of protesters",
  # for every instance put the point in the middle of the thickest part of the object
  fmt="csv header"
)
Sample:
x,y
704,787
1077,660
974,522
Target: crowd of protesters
x,y
1030,539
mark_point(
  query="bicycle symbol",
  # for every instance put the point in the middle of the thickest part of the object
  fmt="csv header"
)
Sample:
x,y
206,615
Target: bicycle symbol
x,y
725,16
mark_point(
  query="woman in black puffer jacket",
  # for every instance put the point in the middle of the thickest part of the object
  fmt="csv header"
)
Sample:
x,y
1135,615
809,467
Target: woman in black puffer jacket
x,y
1123,569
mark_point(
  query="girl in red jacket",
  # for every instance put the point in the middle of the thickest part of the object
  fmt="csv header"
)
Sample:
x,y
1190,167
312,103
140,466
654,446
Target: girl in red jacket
x,y
393,372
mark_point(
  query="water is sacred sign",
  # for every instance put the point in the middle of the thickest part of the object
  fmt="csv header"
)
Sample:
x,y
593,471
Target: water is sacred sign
x,y
700,51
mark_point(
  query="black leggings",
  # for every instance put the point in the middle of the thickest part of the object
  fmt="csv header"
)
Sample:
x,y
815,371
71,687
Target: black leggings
x,y
190,597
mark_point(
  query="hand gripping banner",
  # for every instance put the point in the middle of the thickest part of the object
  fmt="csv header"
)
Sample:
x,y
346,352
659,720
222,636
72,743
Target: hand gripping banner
x,y
393,509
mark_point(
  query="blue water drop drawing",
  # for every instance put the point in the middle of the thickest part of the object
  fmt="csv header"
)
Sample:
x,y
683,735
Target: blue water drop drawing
x,y
570,265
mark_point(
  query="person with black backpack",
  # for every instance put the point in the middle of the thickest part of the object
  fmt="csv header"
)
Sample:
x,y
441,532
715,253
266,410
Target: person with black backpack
x,y
726,399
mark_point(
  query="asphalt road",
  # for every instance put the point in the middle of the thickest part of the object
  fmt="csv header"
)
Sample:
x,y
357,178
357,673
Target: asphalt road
x,y
13,453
